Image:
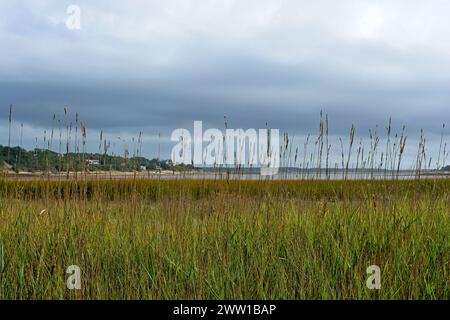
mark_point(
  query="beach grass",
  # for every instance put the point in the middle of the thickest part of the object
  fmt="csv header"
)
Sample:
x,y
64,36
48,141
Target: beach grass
x,y
206,239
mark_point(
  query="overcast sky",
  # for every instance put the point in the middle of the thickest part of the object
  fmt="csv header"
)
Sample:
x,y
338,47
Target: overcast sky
x,y
154,65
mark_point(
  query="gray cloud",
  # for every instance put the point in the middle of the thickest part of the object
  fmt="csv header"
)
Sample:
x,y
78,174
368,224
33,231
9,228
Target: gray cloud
x,y
155,67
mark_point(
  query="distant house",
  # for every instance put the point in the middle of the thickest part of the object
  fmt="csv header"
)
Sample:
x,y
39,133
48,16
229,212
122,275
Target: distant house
x,y
143,168
93,162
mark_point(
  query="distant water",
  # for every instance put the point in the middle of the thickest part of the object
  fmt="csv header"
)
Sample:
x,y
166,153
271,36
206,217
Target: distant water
x,y
253,174
316,175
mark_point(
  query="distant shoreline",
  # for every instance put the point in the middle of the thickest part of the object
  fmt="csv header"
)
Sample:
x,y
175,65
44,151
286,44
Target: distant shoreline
x,y
311,174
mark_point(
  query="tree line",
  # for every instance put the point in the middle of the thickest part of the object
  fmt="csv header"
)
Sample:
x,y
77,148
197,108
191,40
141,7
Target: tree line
x,y
19,159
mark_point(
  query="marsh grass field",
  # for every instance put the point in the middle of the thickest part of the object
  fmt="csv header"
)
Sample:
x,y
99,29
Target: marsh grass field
x,y
219,239
216,151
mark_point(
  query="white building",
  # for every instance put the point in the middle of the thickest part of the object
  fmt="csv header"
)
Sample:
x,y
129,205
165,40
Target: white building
x,y
93,162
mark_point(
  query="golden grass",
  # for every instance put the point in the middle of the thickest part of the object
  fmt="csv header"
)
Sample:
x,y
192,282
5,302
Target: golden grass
x,y
205,239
